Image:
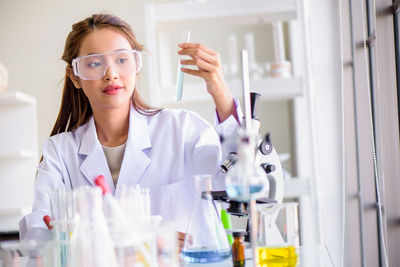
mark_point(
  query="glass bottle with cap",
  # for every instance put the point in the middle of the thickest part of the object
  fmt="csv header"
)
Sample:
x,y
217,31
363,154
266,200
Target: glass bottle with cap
x,y
238,248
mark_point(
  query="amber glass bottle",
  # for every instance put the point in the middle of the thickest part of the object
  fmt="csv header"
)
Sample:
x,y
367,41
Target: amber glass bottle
x,y
238,257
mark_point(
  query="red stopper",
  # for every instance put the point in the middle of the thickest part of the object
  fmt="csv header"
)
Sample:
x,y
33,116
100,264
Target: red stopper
x,y
47,220
101,182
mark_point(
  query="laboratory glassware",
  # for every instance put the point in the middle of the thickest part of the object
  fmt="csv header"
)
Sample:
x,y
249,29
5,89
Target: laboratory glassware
x,y
62,213
278,234
91,244
133,245
179,78
31,253
246,180
134,201
167,252
238,250
61,204
206,239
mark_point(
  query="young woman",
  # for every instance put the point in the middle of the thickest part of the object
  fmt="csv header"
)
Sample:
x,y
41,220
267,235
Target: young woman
x,y
103,126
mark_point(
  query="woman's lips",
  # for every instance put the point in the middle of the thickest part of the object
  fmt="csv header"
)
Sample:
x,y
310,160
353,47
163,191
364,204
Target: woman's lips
x,y
112,89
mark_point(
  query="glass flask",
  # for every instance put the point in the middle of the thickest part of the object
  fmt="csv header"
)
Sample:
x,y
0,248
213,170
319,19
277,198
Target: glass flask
x,y
31,253
205,240
91,244
278,235
245,180
133,245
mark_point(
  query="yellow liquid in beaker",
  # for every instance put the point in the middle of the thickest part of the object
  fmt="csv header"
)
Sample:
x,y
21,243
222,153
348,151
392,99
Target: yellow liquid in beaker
x,y
277,256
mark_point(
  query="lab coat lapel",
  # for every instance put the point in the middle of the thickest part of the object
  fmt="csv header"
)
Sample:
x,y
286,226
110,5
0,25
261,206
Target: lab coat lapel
x,y
95,162
135,159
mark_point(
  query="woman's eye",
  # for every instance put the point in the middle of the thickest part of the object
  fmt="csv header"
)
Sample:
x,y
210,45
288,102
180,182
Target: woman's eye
x,y
122,60
94,64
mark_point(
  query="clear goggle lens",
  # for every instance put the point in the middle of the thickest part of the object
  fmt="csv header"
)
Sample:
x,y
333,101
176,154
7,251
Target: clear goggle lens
x,y
94,67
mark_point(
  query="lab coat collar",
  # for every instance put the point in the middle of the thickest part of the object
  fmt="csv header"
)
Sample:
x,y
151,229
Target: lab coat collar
x,y
135,159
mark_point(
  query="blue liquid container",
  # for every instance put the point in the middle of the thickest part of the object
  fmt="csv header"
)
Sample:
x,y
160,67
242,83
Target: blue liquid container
x,y
236,191
205,255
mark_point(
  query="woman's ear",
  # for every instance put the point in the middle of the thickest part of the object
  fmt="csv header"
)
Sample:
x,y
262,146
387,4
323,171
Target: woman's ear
x,y
75,80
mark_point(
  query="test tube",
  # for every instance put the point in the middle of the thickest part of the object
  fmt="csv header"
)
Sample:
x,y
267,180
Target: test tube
x,y
279,44
179,79
233,55
249,44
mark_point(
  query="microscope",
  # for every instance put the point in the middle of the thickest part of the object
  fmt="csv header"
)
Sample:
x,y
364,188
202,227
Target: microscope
x,y
254,175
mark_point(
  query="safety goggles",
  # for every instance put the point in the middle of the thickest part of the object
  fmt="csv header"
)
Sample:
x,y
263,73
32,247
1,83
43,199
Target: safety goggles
x,y
94,66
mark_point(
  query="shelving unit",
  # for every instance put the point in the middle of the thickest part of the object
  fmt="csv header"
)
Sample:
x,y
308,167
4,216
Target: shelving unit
x,y
16,98
18,157
162,19
271,89
226,11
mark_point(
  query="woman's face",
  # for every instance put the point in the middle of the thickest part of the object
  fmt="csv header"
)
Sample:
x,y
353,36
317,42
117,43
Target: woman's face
x,y
112,90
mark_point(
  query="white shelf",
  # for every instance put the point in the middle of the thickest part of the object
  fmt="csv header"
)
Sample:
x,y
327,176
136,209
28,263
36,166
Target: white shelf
x,y
23,154
226,11
15,211
16,98
269,88
10,218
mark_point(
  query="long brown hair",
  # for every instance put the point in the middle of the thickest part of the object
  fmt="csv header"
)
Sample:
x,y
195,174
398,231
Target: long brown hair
x,y
75,108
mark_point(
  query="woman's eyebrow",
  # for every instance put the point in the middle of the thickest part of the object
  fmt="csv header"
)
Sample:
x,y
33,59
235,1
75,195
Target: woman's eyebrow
x,y
116,50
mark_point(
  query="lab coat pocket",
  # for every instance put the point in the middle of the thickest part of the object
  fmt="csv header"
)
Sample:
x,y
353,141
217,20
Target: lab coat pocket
x,y
173,202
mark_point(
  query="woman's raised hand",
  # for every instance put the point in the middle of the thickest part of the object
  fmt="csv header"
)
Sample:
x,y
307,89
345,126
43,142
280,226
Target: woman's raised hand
x,y
208,65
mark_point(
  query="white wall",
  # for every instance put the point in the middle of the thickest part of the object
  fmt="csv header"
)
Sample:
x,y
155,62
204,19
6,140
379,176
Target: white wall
x,y
327,96
32,40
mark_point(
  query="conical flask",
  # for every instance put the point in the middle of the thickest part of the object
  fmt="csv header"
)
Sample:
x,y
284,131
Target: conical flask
x,y
206,240
131,246
246,180
91,244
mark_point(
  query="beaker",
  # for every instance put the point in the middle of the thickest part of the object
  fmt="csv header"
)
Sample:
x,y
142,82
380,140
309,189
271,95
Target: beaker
x,y
61,204
167,243
91,244
278,235
62,219
205,240
31,253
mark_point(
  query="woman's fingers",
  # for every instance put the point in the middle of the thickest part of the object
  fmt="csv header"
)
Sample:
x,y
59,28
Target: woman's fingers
x,y
209,68
201,64
200,54
197,46
181,240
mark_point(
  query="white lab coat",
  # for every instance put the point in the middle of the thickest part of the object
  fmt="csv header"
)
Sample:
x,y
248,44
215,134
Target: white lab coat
x,y
162,153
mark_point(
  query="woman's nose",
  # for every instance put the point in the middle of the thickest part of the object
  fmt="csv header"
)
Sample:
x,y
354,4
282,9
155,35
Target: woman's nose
x,y
110,74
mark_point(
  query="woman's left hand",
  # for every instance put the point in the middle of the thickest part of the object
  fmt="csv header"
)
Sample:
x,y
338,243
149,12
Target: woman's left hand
x,y
209,68
181,240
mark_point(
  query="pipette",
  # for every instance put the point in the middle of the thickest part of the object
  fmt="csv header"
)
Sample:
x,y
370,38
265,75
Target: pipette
x,y
179,78
47,220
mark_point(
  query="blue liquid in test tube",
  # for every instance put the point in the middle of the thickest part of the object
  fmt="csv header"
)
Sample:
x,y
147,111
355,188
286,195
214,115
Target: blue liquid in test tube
x,y
179,79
